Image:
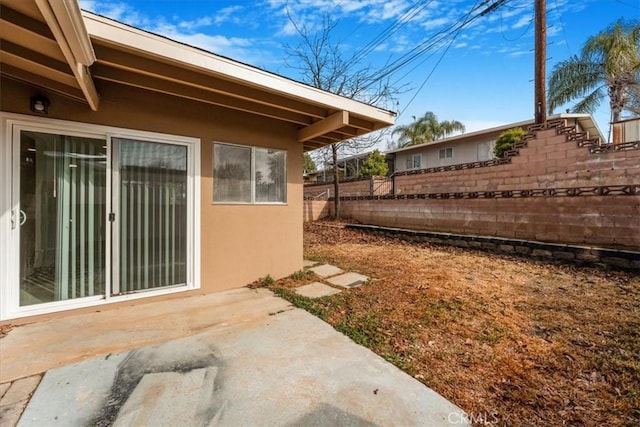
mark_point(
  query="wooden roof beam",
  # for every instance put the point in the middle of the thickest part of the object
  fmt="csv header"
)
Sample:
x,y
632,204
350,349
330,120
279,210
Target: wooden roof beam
x,y
156,84
324,126
150,67
67,26
22,75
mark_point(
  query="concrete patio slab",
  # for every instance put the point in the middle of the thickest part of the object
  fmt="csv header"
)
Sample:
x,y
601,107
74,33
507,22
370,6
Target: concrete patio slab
x,y
61,341
307,263
284,369
316,290
348,280
326,270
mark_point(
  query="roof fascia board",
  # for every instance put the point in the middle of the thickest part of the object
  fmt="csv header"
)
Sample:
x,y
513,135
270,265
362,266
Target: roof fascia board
x,y
79,70
133,38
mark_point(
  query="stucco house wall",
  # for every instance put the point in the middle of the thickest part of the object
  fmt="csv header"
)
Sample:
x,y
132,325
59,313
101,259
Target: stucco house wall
x,y
240,243
108,143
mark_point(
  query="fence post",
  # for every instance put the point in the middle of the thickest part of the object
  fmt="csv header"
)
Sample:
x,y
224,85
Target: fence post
x,y
371,186
393,184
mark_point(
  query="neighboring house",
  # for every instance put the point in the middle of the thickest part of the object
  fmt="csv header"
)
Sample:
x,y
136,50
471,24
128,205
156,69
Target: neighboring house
x,y
471,147
348,168
626,131
134,166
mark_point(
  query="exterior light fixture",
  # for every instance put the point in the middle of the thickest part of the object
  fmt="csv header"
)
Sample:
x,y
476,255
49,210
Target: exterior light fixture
x,y
40,104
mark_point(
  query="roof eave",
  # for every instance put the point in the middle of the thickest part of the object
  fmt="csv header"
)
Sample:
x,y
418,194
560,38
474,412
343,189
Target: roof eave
x,y
65,20
131,38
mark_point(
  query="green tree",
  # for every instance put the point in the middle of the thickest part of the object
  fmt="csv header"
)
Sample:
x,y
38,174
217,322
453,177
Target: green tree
x,y
608,65
308,165
374,165
506,140
425,129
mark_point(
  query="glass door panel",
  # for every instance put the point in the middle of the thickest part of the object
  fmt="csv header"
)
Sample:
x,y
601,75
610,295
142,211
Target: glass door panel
x,y
152,215
62,190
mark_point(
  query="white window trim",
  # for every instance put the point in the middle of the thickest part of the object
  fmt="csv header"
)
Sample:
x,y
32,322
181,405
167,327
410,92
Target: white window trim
x,y
444,151
253,201
9,290
412,160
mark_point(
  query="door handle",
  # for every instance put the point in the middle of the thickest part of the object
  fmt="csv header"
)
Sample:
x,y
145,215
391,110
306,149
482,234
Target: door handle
x,y
23,217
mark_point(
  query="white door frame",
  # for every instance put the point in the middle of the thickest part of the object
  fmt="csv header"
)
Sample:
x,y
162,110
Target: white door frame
x,y
10,126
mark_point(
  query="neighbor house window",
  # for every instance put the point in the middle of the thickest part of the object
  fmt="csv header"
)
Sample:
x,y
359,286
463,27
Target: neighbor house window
x,y
445,153
249,174
413,161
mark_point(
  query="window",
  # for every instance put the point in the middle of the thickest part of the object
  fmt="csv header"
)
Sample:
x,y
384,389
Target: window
x,y
413,161
445,153
232,173
249,174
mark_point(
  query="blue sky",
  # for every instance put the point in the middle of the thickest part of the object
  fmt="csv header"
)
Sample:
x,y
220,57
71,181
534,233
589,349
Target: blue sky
x,y
482,77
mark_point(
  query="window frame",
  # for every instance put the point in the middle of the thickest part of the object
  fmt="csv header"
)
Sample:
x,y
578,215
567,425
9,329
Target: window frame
x,y
443,153
253,200
412,160
11,124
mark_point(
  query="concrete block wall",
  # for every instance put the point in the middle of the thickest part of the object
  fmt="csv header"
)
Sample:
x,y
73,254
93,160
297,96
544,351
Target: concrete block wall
x,y
549,160
556,188
603,221
356,187
313,210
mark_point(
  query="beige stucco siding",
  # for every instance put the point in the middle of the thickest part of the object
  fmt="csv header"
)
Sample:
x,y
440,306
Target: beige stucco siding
x,y
239,243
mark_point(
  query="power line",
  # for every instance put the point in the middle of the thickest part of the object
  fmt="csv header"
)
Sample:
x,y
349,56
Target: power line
x,y
564,33
436,39
385,34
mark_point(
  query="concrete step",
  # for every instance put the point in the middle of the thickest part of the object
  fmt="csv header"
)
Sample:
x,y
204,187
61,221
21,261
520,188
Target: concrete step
x,y
349,280
316,290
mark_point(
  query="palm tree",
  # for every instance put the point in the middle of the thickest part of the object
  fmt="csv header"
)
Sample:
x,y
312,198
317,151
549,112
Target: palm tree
x,y
425,129
608,65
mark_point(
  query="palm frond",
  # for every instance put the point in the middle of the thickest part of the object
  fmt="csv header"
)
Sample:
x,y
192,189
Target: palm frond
x,y
589,103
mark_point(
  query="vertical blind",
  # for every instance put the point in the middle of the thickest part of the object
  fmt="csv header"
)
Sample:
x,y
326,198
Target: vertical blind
x,y
153,215
81,210
62,230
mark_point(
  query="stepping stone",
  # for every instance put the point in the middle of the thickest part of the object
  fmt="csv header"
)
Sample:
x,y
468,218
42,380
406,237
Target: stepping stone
x,y
348,280
306,263
326,270
316,290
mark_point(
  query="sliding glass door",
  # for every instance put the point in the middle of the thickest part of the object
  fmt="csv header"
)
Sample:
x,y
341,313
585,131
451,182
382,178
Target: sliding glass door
x,y
151,214
61,219
95,216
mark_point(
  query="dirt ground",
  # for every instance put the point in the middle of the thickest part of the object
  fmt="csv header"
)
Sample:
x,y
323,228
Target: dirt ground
x,y
511,341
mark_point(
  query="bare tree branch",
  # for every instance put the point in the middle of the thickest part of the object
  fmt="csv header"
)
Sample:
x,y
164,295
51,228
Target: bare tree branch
x,y
320,63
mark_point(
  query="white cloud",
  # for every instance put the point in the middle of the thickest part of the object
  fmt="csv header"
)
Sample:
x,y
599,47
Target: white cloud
x,y
522,22
242,49
205,21
228,14
430,24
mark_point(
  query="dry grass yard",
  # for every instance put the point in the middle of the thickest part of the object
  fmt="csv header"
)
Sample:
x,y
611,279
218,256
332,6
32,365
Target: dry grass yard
x,y
511,341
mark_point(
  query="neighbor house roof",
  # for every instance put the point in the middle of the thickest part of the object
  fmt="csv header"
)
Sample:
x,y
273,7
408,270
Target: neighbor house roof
x,y
585,120
52,44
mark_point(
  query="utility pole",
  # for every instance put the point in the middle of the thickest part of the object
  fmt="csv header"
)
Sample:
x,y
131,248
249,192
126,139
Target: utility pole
x,y
540,62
